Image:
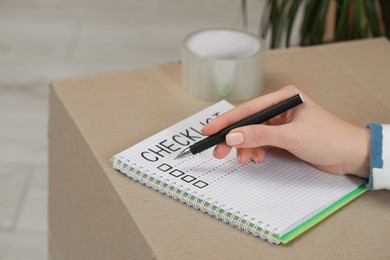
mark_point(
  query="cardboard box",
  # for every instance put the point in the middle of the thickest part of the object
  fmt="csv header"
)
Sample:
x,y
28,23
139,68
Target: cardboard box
x,y
98,213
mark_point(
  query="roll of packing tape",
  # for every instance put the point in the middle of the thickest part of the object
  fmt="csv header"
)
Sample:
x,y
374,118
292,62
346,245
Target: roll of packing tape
x,y
222,64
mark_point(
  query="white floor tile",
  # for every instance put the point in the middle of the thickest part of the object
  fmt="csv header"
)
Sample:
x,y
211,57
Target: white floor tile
x,y
20,152
21,245
24,124
25,39
23,135
14,181
33,215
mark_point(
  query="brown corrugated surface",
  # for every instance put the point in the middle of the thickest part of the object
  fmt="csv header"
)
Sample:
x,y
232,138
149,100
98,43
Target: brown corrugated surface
x,y
97,213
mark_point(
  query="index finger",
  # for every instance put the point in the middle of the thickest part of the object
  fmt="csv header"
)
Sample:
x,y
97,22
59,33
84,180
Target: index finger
x,y
249,108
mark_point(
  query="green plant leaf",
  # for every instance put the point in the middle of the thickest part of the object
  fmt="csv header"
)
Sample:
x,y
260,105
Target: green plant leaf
x,y
359,20
274,16
277,15
307,24
354,19
319,22
363,24
372,17
292,12
385,6
338,13
244,14
341,29
265,19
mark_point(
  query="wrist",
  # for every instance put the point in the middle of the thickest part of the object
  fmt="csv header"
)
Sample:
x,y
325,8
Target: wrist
x,y
358,153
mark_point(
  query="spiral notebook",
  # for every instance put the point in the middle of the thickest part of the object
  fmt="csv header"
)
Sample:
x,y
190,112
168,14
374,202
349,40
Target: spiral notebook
x,y
276,200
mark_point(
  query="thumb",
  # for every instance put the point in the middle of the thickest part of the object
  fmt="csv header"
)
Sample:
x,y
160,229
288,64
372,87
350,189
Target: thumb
x,y
259,135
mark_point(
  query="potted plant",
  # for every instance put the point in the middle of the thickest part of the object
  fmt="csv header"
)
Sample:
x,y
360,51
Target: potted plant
x,y
345,19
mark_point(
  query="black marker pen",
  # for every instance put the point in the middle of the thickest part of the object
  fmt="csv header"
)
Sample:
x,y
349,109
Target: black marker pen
x,y
257,118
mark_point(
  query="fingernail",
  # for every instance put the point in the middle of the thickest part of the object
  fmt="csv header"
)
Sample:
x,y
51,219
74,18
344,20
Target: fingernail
x,y
238,157
234,138
215,152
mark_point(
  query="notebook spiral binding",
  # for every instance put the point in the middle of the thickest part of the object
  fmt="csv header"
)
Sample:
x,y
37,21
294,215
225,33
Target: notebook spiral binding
x,y
198,201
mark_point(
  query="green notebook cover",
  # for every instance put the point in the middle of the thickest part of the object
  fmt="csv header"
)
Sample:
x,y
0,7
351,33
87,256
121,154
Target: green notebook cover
x,y
322,215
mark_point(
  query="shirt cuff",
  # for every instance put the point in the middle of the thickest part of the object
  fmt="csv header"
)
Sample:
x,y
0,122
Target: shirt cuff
x,y
379,156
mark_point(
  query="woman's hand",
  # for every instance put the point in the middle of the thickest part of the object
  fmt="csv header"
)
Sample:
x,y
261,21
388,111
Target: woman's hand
x,y
308,131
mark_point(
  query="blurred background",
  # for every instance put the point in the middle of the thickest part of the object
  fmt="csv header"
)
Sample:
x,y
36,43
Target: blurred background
x,y
43,40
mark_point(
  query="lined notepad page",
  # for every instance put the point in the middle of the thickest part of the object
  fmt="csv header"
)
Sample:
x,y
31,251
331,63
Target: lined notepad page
x,y
283,191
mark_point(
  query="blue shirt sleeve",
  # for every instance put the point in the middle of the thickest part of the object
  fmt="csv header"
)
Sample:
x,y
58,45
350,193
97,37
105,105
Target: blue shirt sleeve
x,y
379,156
